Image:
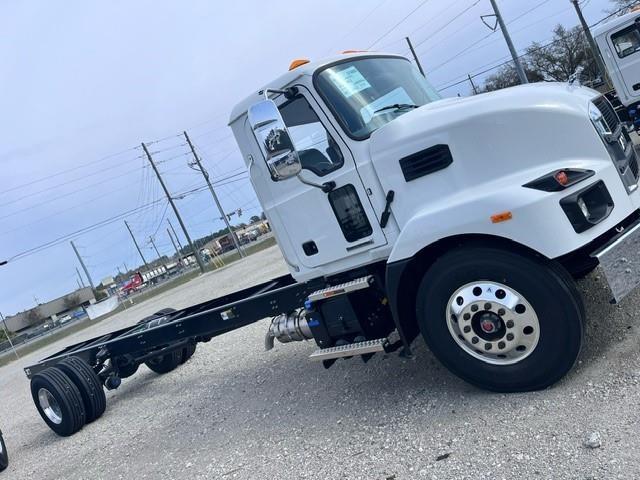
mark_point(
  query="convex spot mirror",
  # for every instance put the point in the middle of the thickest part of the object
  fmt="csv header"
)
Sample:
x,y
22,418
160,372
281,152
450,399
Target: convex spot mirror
x,y
274,140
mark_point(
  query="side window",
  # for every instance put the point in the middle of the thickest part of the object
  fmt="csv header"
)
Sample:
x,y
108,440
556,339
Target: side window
x,y
626,41
318,151
350,214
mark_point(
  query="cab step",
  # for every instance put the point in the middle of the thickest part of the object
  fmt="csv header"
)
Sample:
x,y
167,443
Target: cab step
x,y
351,350
341,289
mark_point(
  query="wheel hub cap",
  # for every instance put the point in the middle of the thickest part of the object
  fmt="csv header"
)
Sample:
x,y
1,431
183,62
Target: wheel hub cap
x,y
50,406
493,323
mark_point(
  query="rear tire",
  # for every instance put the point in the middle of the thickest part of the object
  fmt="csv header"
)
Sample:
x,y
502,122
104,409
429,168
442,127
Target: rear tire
x,y
496,347
187,352
89,385
58,401
4,455
165,363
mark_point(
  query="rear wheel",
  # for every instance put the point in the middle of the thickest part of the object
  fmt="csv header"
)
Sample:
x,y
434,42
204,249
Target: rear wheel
x,y
4,456
500,320
187,352
58,401
89,385
165,363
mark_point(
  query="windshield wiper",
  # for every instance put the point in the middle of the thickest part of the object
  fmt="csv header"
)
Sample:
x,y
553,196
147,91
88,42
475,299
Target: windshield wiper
x,y
396,106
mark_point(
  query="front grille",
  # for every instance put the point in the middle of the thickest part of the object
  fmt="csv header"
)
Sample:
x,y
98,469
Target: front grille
x,y
608,112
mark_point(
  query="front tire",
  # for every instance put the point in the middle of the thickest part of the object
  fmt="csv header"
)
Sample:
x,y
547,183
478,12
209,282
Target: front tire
x,y
500,320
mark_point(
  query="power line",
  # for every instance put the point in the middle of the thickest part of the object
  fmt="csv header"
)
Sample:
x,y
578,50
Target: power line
x,y
464,79
457,16
358,25
397,24
108,221
62,172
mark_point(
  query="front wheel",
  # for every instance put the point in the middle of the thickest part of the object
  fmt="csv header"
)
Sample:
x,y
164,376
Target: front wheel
x,y
501,320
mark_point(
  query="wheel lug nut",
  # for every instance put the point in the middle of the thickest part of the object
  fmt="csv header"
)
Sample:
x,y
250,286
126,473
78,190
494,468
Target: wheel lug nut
x,y
501,345
501,312
487,306
510,324
474,308
487,346
466,316
510,336
467,329
474,340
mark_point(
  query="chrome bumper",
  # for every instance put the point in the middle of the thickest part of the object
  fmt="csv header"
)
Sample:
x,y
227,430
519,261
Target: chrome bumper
x,y
620,262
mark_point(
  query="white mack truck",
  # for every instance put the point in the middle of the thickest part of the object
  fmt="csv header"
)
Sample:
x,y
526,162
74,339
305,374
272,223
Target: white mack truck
x,y
619,43
401,215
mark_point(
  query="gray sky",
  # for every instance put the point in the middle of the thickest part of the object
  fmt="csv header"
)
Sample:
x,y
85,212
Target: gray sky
x,y
84,80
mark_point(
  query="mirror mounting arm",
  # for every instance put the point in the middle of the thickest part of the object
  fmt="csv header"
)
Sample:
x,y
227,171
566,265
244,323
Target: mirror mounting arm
x,y
325,187
289,93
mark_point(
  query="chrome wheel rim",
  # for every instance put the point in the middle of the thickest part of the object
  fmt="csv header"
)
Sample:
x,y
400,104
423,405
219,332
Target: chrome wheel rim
x,y
50,406
493,323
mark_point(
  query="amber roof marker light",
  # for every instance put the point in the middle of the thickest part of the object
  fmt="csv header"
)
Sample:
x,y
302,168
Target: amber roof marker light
x,y
297,63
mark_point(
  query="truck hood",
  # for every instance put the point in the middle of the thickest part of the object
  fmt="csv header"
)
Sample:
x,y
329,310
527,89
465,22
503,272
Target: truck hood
x,y
526,130
451,111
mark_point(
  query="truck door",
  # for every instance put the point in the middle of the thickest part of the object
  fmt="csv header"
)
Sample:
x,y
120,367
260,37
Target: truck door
x,y
625,45
321,227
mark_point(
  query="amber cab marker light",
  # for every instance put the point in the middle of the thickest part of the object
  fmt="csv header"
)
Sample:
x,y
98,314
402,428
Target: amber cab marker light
x,y
562,178
346,52
501,217
298,62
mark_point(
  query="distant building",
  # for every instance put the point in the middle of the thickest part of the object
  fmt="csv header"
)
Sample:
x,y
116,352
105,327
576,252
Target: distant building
x,y
51,310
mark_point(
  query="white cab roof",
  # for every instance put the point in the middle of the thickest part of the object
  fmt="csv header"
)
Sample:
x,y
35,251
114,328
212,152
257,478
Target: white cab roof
x,y
291,76
614,23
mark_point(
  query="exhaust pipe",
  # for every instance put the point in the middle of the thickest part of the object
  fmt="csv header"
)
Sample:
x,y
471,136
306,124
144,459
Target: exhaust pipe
x,y
288,327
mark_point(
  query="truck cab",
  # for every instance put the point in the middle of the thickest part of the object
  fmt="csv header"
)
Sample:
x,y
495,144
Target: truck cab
x,y
619,43
363,170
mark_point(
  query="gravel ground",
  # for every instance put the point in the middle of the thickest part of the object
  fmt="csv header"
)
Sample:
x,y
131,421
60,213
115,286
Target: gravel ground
x,y
234,411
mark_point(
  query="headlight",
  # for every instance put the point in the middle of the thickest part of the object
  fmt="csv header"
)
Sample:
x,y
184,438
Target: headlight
x,y
598,120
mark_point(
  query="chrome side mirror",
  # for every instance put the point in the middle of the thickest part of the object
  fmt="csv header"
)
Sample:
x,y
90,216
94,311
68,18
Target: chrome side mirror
x,y
274,140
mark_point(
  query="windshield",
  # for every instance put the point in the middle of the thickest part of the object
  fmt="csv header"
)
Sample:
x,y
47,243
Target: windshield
x,y
367,93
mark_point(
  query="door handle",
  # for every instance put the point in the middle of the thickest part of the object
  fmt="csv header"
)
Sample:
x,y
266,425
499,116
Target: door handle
x,y
636,87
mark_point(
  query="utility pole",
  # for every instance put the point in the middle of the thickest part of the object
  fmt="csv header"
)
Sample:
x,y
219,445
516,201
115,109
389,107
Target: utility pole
x,y
205,174
137,247
521,74
175,210
154,247
415,57
80,281
175,235
84,267
473,85
6,332
594,49
174,246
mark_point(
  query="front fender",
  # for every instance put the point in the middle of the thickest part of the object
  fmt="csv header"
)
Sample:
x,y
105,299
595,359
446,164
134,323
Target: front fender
x,y
537,220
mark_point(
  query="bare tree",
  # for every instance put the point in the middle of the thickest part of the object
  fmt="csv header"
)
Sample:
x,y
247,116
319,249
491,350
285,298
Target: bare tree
x,y
559,60
553,62
34,315
71,301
